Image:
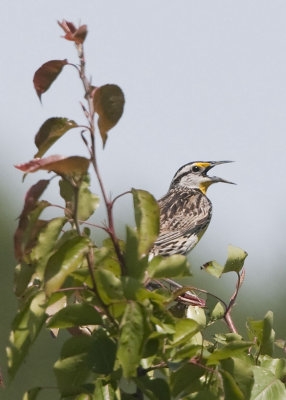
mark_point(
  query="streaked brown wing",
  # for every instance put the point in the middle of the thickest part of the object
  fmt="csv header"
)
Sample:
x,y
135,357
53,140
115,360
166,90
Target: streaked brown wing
x,y
183,212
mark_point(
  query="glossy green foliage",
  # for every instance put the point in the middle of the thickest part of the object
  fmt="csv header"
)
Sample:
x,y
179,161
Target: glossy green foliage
x,y
25,328
81,199
75,315
263,334
133,332
147,219
67,258
235,261
131,339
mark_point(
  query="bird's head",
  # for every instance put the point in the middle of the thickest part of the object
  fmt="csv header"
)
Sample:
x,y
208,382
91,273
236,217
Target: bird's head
x,y
194,175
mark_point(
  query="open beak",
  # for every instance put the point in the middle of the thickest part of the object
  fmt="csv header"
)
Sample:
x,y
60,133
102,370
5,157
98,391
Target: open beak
x,y
215,179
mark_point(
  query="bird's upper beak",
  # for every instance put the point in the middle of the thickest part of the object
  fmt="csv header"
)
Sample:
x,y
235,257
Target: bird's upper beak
x,y
215,179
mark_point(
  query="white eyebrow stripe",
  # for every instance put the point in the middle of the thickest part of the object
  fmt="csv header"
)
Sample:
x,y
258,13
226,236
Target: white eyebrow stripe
x,y
186,169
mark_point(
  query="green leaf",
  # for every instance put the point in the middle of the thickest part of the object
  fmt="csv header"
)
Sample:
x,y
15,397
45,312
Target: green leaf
x,y
267,386
205,394
45,245
108,104
154,389
262,333
96,352
74,368
109,286
66,259
231,389
131,286
218,311
227,337
87,201
185,329
75,315
25,329
85,396
32,394
187,351
135,265
276,365
104,391
151,347
168,267
102,353
234,262
155,296
106,258
22,276
241,371
163,319
235,259
56,302
131,339
232,349
281,344
197,314
76,345
147,219
213,268
51,130
185,380
71,373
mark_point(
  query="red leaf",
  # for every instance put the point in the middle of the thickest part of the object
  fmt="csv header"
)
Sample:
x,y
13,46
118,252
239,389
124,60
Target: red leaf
x,y
31,203
46,75
33,195
72,33
61,165
109,104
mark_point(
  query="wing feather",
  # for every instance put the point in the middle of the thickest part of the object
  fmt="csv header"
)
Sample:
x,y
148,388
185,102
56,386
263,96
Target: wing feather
x,y
182,212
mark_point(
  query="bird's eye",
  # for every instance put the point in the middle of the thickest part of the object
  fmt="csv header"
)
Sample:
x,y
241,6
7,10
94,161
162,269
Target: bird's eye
x,y
196,169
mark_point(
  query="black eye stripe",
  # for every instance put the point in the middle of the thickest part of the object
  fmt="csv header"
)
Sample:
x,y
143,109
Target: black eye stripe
x,y
180,177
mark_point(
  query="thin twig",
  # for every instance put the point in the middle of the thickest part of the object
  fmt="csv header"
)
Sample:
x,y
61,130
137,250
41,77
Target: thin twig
x,y
104,228
183,289
69,289
75,216
227,316
120,195
91,112
162,364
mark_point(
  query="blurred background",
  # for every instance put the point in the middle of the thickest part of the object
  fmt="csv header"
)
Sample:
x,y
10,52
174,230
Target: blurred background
x,y
202,81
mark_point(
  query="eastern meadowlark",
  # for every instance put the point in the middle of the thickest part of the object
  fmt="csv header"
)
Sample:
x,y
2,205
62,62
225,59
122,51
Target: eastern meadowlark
x,y
185,211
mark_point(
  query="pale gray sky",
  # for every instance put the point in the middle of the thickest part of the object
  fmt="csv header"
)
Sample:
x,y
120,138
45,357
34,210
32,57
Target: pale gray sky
x,y
203,80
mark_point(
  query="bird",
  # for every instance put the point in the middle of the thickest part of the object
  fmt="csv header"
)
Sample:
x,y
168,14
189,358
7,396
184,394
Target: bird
x,y
185,211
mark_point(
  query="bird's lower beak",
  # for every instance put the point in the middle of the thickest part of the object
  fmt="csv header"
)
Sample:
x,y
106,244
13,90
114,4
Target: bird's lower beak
x,y
215,179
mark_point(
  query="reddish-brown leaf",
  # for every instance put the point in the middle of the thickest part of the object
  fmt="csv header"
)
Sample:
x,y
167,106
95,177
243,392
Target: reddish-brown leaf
x,y
67,26
51,130
33,195
109,104
31,203
69,166
46,75
72,33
